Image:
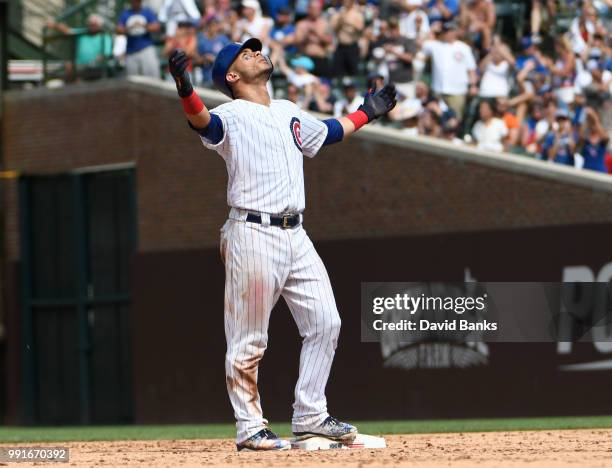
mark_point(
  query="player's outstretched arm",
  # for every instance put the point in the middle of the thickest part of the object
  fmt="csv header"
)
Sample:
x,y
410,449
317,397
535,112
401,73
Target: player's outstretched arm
x,y
194,108
375,105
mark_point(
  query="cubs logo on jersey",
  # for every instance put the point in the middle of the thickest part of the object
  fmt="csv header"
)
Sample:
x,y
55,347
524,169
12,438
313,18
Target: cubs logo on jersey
x,y
296,128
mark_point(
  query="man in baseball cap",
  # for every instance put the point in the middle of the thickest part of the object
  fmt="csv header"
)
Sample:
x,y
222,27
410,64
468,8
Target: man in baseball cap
x,y
263,142
224,76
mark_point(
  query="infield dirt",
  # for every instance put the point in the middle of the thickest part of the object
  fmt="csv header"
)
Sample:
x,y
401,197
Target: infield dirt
x,y
534,449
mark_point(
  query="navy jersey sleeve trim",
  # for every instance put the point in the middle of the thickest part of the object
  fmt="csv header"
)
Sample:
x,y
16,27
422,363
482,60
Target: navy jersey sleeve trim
x,y
335,132
213,132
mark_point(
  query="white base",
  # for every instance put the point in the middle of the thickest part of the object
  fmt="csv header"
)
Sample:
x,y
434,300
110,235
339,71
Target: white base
x,y
321,443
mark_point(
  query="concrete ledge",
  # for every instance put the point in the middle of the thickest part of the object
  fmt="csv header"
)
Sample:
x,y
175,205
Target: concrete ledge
x,y
505,161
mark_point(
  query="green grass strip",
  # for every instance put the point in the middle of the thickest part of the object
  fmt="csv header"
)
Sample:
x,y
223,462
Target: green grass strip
x,y
215,431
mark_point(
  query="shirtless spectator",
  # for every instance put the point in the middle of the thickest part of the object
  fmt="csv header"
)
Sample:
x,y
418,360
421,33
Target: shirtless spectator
x,y
348,24
314,39
478,20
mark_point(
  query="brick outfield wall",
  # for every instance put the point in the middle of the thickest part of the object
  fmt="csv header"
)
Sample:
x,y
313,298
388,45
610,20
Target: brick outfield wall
x,y
357,189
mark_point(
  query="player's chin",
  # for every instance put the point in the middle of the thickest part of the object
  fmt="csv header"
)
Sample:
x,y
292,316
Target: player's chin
x,y
266,64
265,69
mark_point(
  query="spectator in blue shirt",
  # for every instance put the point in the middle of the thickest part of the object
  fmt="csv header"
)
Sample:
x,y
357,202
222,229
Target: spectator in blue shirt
x,y
275,6
137,23
594,143
532,75
559,143
209,44
530,53
283,31
440,11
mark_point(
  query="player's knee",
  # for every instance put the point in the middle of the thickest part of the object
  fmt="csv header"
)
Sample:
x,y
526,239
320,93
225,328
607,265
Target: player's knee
x,y
247,359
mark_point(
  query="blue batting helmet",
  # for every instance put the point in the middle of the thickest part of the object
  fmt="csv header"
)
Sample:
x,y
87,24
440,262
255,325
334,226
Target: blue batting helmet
x,y
224,60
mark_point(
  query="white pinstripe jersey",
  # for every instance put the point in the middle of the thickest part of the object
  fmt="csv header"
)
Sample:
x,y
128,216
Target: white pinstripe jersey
x,y
263,148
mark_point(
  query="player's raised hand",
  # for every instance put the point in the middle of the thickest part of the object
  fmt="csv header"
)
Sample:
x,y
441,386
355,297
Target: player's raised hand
x,y
378,103
178,63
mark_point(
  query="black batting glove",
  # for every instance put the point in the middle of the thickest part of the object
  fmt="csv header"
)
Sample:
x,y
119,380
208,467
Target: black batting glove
x,y
178,62
378,103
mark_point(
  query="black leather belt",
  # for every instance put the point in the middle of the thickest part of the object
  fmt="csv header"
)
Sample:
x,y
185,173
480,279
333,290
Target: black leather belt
x,y
287,221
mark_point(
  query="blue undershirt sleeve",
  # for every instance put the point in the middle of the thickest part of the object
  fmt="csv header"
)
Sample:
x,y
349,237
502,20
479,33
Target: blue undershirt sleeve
x,y
213,132
335,132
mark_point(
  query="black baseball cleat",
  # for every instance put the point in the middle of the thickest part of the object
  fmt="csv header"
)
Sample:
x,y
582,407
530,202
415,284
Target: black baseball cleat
x,y
331,428
263,440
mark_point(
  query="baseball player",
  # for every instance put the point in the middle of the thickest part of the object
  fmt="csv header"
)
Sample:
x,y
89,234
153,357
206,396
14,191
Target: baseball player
x,y
265,249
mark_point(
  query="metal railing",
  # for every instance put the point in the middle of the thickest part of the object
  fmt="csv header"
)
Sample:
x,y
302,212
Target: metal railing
x,y
76,15
64,47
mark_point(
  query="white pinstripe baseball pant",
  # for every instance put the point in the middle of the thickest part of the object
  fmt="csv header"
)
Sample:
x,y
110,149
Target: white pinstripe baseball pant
x,y
263,262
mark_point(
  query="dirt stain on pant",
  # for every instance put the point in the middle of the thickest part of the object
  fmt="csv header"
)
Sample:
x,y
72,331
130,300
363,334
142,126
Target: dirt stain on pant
x,y
244,381
253,312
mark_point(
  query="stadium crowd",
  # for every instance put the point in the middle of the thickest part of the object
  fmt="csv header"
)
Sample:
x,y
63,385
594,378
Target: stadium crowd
x,y
467,71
